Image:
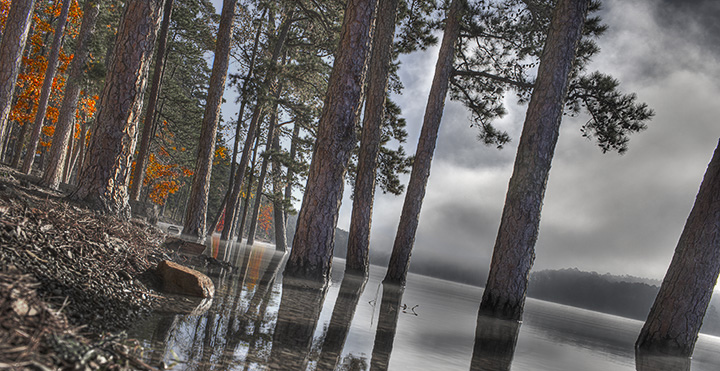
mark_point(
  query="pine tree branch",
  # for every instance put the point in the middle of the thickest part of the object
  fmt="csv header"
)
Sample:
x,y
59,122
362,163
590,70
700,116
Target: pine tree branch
x,y
519,84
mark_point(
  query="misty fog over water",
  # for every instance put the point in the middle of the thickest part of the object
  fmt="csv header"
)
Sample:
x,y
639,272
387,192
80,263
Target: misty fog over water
x,y
257,321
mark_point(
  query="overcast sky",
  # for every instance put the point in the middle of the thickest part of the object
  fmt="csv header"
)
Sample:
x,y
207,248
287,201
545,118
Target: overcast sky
x,y
621,214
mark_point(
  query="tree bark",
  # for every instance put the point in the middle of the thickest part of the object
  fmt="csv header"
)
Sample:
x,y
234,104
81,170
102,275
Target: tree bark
x,y
278,204
106,171
311,255
141,159
66,118
196,213
364,195
12,46
514,253
290,173
46,88
410,216
675,318
17,153
270,81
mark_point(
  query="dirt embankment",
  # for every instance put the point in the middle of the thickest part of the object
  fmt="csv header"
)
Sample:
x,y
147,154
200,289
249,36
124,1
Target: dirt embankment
x,y
70,280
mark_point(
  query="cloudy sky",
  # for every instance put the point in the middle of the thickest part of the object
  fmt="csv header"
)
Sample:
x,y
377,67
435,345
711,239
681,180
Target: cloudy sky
x,y
613,213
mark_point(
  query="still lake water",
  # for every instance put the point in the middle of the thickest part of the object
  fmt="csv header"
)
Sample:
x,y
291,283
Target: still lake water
x,y
258,322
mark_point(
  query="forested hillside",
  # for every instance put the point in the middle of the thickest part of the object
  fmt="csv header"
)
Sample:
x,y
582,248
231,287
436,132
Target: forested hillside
x,y
624,296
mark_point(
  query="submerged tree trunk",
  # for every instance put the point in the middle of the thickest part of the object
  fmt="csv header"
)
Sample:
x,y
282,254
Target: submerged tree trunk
x,y
514,252
12,46
66,118
410,216
675,318
196,213
141,159
50,71
364,195
311,255
106,171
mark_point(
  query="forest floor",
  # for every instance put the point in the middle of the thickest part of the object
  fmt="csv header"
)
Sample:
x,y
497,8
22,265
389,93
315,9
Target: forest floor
x,y
71,280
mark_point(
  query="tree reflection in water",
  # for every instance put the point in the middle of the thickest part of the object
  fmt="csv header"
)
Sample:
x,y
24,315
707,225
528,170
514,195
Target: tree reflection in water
x,y
351,288
298,315
495,341
655,362
387,325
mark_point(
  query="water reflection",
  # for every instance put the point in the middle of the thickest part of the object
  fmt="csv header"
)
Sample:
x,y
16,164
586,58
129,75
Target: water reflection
x,y
258,320
495,341
387,326
298,315
654,362
351,288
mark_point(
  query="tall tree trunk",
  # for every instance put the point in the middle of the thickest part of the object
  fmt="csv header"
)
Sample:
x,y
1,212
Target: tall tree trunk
x,y
106,172
272,126
278,204
676,316
241,226
46,88
196,213
66,118
238,126
364,196
82,144
311,255
270,81
141,159
12,46
405,237
290,173
70,151
514,253
17,153
242,212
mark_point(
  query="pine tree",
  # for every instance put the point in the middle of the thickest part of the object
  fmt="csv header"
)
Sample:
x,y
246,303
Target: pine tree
x,y
46,87
513,256
14,36
106,172
677,314
196,213
409,218
311,256
141,159
364,192
65,125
